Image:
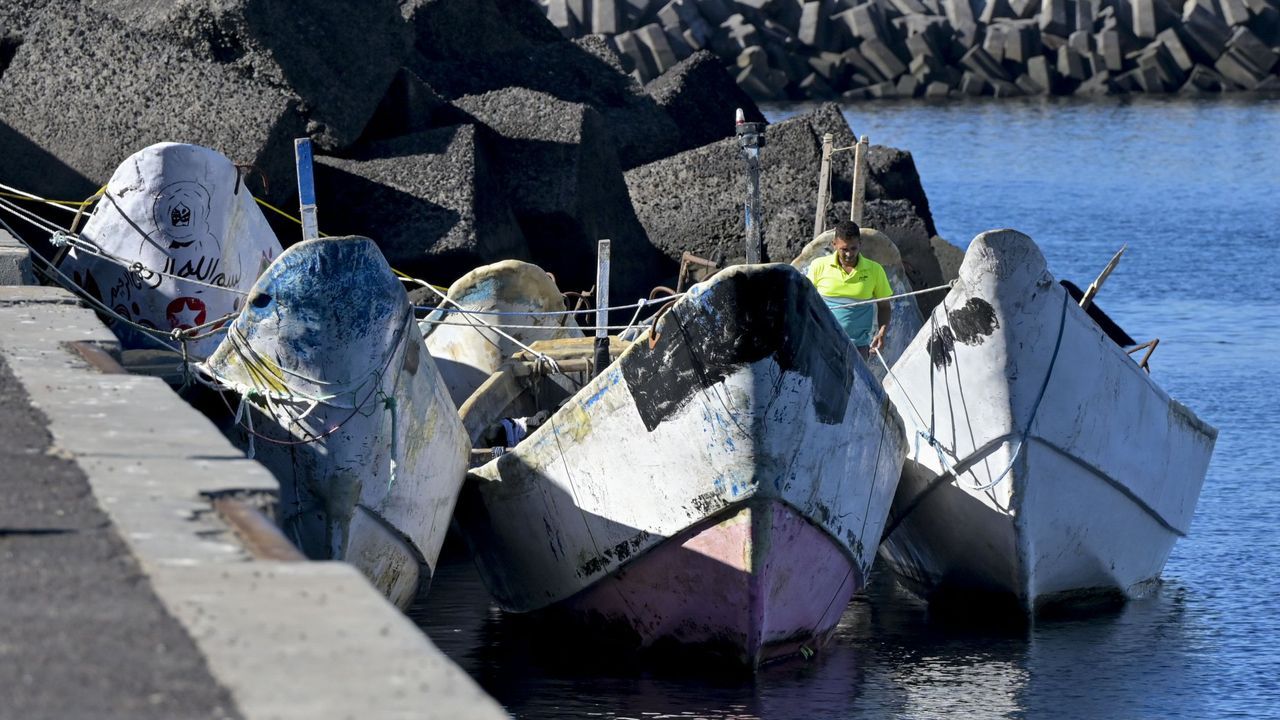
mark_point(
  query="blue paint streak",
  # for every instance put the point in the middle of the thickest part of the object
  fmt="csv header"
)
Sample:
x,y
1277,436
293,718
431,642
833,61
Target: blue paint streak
x,y
610,380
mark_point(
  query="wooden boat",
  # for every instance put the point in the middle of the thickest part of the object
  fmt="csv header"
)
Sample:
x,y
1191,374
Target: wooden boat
x,y
185,239
722,484
467,347
349,411
905,321
1048,466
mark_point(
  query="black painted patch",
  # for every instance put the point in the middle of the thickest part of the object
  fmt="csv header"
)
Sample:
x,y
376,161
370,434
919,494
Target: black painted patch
x,y
973,322
748,315
942,347
617,553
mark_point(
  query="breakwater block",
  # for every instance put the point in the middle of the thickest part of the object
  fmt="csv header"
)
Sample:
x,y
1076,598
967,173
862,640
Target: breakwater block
x,y
699,97
788,49
565,186
89,90
708,222
337,59
430,201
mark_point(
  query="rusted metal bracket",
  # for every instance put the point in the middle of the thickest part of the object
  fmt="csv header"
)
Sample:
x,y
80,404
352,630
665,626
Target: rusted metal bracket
x,y
261,537
693,269
1150,346
99,359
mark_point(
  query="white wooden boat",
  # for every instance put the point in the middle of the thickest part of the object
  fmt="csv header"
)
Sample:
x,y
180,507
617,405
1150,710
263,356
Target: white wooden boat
x,y
905,321
1061,470
723,485
349,412
186,241
467,347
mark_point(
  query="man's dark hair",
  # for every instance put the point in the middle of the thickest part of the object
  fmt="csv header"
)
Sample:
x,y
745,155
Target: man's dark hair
x,y
848,230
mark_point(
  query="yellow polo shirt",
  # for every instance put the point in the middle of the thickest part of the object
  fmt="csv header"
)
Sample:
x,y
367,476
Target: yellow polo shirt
x,y
867,281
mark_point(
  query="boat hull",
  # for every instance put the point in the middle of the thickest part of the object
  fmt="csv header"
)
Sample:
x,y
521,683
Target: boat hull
x,y
751,400
348,411
188,242
757,583
467,348
1061,471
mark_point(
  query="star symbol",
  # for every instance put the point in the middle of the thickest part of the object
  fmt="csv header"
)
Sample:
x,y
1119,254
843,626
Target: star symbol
x,y
185,318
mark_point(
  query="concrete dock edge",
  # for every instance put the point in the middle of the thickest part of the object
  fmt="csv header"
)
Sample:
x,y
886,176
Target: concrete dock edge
x,y
287,639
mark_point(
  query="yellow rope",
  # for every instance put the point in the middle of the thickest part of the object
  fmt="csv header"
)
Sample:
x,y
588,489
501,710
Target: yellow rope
x,y
30,197
296,221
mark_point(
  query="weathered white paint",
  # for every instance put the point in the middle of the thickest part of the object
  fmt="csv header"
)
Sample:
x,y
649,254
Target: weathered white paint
x,y
1111,469
466,348
182,210
595,488
377,484
904,321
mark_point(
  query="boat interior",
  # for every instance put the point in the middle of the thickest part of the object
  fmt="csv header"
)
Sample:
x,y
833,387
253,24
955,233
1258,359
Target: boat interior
x,y
526,391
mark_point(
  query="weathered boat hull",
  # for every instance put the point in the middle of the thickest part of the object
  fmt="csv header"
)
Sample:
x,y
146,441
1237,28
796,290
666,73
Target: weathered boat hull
x,y
188,239
755,584
749,453
467,348
1065,472
349,412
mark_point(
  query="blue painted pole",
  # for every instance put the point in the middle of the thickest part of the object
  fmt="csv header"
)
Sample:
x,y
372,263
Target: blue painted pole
x,y
306,189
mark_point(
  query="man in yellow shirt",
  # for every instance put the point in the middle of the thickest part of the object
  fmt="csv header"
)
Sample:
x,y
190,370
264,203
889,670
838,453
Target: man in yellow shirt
x,y
846,277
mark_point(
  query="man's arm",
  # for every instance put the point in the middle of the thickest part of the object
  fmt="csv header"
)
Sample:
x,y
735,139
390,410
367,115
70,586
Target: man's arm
x,y
884,313
884,310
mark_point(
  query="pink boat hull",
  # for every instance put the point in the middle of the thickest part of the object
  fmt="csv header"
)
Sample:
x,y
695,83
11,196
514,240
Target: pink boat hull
x,y
757,584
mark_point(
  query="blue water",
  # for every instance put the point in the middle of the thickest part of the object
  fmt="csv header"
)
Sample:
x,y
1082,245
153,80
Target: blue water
x,y
1194,190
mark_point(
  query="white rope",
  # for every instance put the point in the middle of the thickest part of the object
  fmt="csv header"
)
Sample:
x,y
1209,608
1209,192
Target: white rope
x,y
872,301
639,305
59,237
46,201
495,326
153,334
540,357
262,380
974,458
28,216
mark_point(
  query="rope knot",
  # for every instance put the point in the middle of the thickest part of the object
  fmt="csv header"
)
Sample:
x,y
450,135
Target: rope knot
x,y
60,239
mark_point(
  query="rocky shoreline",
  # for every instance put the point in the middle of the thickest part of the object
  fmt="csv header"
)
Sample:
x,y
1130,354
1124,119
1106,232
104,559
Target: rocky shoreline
x,y
861,49
452,132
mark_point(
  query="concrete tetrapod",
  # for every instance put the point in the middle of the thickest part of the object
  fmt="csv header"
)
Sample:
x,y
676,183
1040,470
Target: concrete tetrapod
x,y
1051,467
721,486
351,414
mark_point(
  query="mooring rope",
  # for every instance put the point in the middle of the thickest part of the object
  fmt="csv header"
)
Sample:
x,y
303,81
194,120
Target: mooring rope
x,y
872,301
270,383
638,304
953,469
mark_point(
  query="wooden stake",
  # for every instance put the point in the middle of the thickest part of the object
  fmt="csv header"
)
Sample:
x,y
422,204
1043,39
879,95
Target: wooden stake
x,y
824,186
602,306
1097,284
859,179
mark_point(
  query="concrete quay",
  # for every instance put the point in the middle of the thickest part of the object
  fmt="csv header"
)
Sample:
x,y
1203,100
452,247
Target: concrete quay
x,y
140,579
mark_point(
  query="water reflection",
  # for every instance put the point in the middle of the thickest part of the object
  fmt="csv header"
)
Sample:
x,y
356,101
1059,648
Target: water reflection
x,y
891,656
